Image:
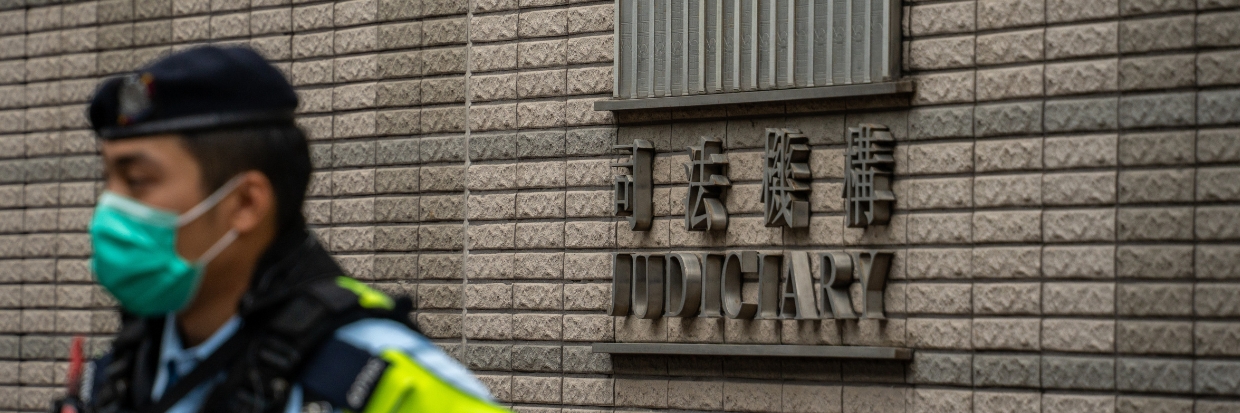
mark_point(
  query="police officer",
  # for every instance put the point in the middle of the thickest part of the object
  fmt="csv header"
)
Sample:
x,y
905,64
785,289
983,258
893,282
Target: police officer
x,y
229,303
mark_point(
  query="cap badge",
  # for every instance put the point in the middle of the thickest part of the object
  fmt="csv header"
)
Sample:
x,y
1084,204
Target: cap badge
x,y
134,98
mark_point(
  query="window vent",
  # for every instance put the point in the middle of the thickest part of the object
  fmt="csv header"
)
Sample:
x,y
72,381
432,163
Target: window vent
x,y
680,48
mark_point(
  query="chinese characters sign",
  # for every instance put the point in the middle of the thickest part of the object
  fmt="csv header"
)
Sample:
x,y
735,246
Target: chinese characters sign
x,y
867,176
786,179
707,174
634,190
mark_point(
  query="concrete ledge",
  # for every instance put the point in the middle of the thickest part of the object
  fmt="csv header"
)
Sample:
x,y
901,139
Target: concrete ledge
x,y
759,350
760,96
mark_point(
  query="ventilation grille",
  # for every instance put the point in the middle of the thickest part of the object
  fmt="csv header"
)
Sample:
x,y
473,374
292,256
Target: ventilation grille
x,y
668,48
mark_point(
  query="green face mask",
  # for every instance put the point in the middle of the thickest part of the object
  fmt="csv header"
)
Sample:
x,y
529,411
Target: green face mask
x,y
135,256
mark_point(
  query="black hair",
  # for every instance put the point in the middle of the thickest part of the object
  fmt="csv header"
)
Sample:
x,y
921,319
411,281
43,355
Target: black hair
x,y
278,151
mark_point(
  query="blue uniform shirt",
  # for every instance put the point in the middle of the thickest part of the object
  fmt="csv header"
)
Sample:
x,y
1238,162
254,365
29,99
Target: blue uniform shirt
x,y
370,335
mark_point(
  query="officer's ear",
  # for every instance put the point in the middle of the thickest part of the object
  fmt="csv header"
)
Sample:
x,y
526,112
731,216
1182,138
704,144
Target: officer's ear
x,y
253,204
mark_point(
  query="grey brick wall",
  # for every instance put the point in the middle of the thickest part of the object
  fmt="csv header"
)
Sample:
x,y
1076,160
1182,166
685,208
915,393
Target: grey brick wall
x,y
1067,226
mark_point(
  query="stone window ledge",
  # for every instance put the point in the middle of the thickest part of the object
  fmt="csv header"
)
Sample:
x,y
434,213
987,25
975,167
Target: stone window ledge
x,y
761,96
758,350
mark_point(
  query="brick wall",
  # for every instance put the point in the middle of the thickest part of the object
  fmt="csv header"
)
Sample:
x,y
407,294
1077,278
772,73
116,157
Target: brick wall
x,y
1068,183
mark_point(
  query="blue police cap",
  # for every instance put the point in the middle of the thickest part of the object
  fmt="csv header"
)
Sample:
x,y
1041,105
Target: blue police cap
x,y
206,87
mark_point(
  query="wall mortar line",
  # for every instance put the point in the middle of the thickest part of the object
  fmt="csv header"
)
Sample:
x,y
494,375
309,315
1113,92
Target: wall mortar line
x,y
465,242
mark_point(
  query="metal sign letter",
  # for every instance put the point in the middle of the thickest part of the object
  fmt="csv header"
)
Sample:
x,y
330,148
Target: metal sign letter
x,y
634,190
873,267
837,276
621,282
797,300
648,286
684,285
768,285
786,178
734,269
706,171
867,176
712,271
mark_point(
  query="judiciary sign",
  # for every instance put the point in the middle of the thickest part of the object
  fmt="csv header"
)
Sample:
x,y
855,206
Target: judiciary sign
x,y
710,285
653,285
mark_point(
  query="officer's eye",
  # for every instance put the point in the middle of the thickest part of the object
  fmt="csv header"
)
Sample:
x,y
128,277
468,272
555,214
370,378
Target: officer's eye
x,y
139,182
136,183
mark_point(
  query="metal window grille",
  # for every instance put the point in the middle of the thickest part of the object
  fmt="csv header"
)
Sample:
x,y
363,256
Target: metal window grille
x,y
668,48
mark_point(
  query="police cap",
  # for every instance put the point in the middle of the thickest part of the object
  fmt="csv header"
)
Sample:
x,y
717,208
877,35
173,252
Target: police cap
x,y
206,87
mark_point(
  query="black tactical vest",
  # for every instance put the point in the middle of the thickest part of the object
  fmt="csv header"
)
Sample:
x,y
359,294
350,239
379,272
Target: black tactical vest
x,y
294,305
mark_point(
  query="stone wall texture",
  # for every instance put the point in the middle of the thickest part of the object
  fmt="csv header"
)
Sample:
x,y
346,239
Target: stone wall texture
x,y
1067,226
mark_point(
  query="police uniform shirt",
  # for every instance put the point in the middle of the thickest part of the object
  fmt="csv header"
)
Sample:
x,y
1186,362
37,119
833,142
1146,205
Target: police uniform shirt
x,y
372,336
